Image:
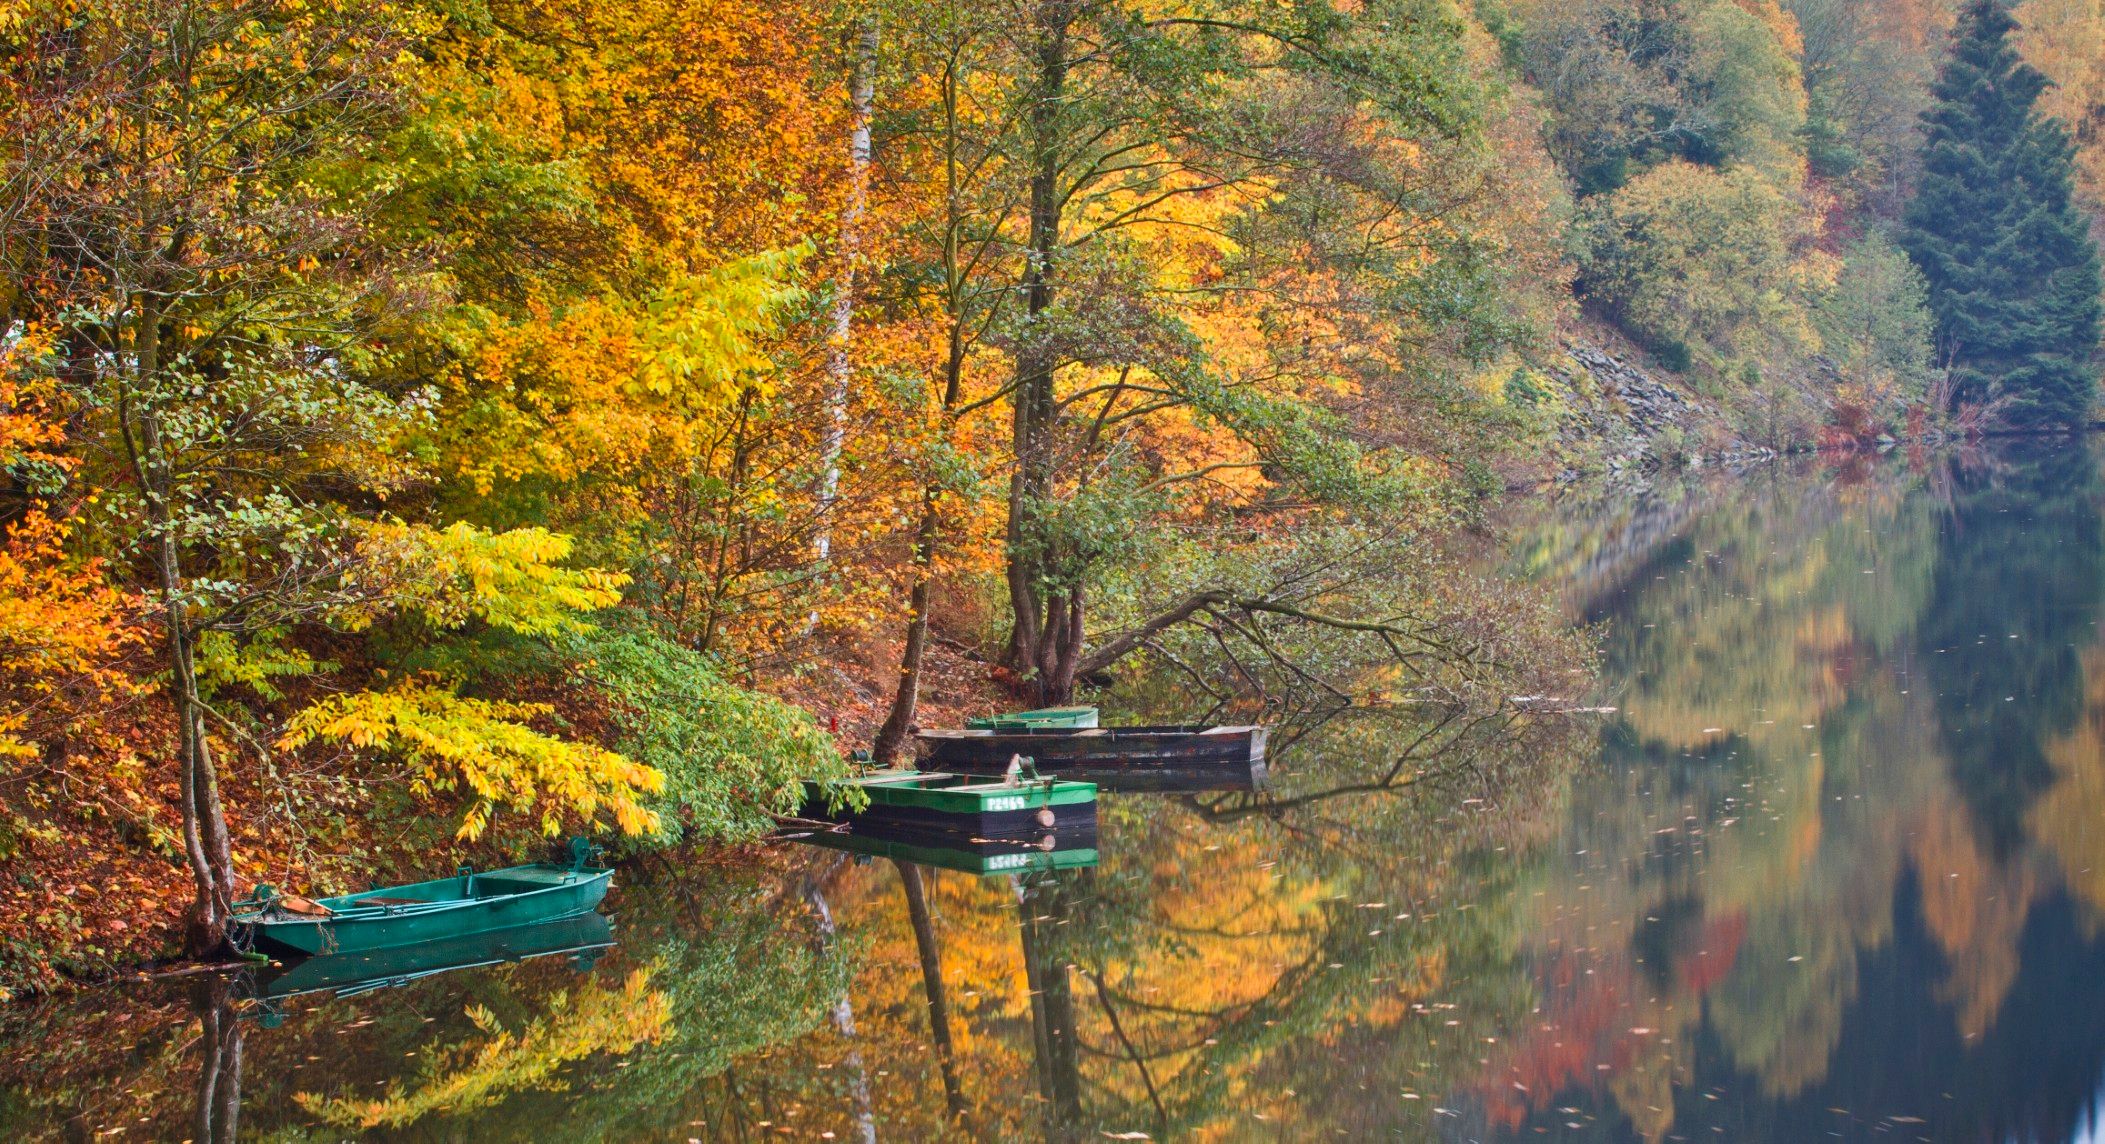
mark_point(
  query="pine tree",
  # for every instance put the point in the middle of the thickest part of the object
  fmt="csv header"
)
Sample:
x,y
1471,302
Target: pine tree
x,y
2012,270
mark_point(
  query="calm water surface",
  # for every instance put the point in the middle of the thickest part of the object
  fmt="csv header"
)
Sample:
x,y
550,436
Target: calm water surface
x,y
1832,868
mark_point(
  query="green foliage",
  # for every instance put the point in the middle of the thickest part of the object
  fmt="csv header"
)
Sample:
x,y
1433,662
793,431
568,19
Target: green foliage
x,y
2012,269
1750,96
1829,152
731,757
1706,258
255,663
1874,322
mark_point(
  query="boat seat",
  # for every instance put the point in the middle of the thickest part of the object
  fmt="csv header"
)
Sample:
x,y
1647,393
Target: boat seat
x,y
519,881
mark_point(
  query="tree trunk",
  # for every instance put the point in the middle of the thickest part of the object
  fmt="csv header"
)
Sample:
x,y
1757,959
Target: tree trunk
x,y
1063,648
1032,426
862,96
898,722
205,841
206,846
932,983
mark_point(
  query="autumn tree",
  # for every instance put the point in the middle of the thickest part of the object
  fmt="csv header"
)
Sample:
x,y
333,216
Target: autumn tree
x,y
213,309
1139,387
1868,69
1696,258
953,257
2065,40
223,320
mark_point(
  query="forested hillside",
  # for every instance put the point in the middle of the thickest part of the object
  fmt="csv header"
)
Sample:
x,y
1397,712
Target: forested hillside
x,y
430,426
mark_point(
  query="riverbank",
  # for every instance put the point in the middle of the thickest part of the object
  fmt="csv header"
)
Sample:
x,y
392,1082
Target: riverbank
x,y
1613,409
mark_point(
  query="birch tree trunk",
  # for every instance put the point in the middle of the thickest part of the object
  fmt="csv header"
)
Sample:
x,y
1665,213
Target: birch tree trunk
x,y
862,96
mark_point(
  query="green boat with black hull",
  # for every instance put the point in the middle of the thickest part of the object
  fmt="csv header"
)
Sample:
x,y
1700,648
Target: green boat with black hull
x,y
959,805
396,916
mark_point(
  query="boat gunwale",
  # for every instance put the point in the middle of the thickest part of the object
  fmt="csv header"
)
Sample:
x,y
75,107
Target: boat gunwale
x,y
1164,730
966,793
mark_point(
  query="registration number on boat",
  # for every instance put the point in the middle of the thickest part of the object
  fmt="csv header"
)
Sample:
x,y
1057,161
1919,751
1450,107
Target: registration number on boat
x,y
1007,802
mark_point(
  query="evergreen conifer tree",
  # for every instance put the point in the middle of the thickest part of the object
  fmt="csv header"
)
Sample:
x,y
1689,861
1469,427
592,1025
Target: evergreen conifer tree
x,y
2013,272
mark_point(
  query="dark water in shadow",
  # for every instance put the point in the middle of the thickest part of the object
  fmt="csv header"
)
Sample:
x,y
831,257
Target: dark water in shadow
x,y
1833,868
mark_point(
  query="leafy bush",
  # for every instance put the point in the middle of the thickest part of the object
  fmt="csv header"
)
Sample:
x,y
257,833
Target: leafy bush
x,y
1713,259
731,756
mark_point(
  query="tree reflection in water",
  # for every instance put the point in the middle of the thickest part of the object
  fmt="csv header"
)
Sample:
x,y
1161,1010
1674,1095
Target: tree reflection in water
x,y
218,1099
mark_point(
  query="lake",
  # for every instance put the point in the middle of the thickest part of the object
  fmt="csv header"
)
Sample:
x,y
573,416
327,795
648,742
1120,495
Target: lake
x,y
1822,856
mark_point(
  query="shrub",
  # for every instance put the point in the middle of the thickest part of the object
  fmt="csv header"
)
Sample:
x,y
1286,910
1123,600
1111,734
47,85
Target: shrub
x,y
732,757
1702,257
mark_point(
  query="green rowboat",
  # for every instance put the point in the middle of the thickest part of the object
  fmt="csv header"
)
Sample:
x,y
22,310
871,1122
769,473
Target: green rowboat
x,y
959,804
1043,719
396,916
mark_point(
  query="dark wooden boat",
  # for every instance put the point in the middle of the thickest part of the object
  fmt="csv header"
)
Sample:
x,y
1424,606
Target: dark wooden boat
x,y
1178,751
395,916
958,805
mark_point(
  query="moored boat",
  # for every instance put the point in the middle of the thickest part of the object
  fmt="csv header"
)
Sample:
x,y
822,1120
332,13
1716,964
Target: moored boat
x,y
1042,719
395,916
1092,752
961,805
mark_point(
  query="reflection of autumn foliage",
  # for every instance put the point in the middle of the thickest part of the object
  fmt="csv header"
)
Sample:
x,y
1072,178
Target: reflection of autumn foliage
x,y
592,1019
1976,908
1585,1022
2065,819
1760,859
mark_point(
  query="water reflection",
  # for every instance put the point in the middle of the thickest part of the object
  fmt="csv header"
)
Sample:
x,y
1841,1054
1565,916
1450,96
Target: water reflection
x,y
1833,877
218,1099
1832,868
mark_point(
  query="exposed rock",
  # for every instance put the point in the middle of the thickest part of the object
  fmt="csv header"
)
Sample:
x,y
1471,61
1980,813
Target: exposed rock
x,y
1618,416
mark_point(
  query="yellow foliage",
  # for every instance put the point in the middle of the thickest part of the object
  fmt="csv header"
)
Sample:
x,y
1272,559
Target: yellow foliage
x,y
511,579
2066,40
479,744
1721,258
596,1019
603,384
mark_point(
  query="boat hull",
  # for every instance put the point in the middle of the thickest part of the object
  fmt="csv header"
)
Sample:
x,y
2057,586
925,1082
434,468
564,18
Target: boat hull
x,y
1158,758
1043,719
462,906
